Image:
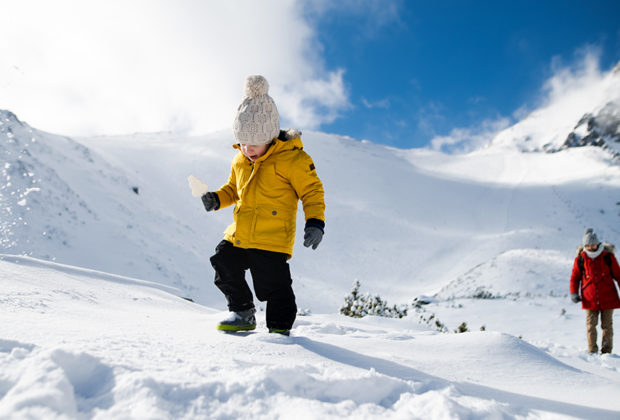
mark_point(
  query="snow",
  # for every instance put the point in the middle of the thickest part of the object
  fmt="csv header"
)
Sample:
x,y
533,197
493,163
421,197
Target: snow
x,y
101,239
83,344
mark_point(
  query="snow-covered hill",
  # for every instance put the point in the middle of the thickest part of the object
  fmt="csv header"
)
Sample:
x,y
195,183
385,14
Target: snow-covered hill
x,y
81,344
402,222
62,202
90,227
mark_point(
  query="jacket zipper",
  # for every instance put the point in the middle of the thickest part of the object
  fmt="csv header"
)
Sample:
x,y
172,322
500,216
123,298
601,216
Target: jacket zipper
x,y
598,303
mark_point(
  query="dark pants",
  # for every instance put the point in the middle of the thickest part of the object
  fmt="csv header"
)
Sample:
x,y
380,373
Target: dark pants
x,y
271,278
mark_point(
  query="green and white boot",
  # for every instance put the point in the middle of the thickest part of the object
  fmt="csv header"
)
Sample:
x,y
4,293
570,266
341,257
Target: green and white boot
x,y
239,321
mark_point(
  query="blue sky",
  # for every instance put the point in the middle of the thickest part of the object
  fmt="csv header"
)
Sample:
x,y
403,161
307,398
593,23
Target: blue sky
x,y
447,64
397,72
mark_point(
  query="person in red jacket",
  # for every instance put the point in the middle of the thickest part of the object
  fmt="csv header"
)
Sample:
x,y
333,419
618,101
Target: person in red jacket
x,y
592,284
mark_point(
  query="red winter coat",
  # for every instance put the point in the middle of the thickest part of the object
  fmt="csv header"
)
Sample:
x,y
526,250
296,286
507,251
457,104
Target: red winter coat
x,y
597,291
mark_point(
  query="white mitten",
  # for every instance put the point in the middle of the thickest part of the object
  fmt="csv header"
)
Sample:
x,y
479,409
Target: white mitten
x,y
198,187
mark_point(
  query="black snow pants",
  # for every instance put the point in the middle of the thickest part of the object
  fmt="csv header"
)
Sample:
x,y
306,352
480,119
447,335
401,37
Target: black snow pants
x,y
271,277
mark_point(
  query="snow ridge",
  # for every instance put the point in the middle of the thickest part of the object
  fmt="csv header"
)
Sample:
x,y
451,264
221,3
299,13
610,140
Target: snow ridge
x,y
122,350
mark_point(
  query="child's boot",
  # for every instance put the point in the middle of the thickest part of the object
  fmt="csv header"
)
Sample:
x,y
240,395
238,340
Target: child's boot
x,y
239,321
280,331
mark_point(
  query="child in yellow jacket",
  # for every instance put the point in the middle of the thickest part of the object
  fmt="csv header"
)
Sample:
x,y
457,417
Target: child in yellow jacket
x,y
268,177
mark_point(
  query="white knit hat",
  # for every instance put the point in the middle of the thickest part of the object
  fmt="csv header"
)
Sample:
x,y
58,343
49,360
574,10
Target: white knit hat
x,y
590,238
257,121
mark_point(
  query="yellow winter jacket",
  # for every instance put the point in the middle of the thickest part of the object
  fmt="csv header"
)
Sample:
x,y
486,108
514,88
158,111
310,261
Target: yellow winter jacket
x,y
266,192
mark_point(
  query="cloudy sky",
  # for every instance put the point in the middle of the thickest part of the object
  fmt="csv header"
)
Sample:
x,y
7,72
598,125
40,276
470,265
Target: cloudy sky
x,y
402,73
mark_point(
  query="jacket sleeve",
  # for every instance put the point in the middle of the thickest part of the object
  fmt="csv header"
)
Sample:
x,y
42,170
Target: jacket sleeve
x,y
228,192
615,269
308,186
575,278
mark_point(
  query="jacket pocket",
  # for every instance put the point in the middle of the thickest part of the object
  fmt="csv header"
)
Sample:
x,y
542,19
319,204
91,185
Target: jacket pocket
x,y
272,226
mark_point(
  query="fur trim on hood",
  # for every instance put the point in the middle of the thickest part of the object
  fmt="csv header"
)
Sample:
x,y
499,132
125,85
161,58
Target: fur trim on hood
x,y
289,134
604,246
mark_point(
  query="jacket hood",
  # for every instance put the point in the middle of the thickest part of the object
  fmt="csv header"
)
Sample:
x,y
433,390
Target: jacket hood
x,y
284,135
604,246
289,134
286,140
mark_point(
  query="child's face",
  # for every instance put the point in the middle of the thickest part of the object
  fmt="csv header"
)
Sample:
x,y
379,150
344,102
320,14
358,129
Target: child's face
x,y
253,152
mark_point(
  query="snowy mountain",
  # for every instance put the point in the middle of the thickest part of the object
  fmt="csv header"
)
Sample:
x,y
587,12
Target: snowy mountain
x,y
581,114
122,205
602,129
63,202
100,237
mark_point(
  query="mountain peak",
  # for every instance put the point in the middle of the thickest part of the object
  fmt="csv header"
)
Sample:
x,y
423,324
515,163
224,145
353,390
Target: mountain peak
x,y
601,129
7,117
576,115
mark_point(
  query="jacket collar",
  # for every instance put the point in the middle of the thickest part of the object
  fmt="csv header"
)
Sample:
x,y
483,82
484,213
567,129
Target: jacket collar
x,y
287,140
593,255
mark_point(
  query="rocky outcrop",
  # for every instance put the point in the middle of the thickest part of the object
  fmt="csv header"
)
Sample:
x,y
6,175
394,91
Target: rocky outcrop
x,y
602,130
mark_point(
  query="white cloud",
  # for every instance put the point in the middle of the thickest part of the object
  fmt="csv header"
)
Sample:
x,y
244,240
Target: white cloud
x,y
382,103
571,88
570,92
464,140
113,66
311,102
575,84
373,14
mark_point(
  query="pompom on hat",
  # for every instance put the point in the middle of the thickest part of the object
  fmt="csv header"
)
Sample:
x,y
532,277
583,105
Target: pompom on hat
x,y
257,120
590,238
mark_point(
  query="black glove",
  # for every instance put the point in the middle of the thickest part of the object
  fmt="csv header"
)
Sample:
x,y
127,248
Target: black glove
x,y
211,201
575,297
313,236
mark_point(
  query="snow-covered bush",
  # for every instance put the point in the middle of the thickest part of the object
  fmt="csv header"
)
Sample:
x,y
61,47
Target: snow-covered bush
x,y
358,305
462,328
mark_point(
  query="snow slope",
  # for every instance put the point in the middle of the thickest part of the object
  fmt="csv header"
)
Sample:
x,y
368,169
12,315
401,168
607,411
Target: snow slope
x,y
102,238
394,217
62,202
78,343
